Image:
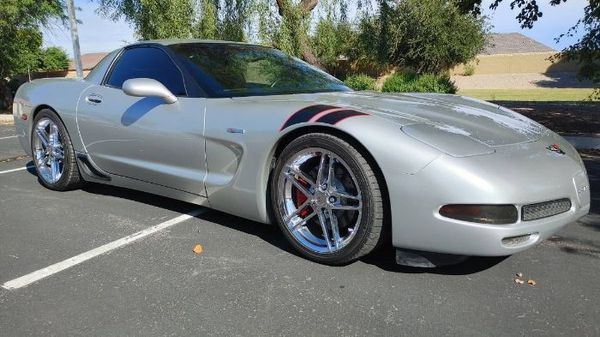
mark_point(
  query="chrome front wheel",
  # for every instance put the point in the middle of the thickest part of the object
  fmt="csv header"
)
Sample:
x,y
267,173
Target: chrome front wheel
x,y
320,200
327,199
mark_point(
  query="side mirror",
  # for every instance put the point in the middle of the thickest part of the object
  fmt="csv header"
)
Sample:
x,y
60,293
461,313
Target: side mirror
x,y
145,87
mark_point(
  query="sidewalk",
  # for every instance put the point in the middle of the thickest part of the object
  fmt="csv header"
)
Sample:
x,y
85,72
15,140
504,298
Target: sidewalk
x,y
6,119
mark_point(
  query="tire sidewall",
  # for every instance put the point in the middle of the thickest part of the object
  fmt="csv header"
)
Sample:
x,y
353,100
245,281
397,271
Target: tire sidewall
x,y
338,147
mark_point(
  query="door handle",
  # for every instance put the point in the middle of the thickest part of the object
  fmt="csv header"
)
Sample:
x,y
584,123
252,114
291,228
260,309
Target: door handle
x,y
93,99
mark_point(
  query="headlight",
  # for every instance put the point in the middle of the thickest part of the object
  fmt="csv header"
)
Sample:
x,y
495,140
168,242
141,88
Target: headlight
x,y
486,214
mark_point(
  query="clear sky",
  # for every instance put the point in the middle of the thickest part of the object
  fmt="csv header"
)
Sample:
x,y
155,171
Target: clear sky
x,y
99,34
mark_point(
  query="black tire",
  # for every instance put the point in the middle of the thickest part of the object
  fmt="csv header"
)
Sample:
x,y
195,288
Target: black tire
x,y
70,178
370,230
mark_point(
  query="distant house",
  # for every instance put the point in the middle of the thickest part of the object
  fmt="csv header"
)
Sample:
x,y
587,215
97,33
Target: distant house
x,y
507,53
88,62
513,43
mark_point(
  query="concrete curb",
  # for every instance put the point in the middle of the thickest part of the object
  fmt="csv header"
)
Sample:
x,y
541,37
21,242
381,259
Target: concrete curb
x,y
6,119
580,142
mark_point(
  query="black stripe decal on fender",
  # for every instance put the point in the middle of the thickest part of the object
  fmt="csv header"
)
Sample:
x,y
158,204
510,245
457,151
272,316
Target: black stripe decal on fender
x,y
338,116
305,114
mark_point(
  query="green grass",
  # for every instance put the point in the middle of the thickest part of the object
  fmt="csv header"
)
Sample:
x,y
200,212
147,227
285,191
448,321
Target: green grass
x,y
547,95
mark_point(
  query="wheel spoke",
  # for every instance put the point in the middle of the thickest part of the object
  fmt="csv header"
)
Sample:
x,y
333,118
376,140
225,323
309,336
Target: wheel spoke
x,y
54,132
345,195
324,228
330,172
298,185
55,169
334,228
41,134
321,169
60,154
297,211
295,226
347,207
297,171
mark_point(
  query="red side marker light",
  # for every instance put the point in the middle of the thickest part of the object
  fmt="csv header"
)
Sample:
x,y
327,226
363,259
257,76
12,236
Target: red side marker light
x,y
24,117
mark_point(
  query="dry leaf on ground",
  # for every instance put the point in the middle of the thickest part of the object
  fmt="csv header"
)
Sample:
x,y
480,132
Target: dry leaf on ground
x,y
198,249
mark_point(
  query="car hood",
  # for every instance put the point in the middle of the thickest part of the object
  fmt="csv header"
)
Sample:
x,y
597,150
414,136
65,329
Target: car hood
x,y
479,120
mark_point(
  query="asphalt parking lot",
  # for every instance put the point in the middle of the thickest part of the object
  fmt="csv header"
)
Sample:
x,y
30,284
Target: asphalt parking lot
x,y
248,282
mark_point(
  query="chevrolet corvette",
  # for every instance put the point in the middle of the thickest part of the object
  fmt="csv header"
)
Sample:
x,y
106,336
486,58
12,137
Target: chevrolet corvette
x,y
251,131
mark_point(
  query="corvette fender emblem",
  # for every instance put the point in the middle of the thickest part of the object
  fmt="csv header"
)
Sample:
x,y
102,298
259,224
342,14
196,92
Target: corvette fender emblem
x,y
555,148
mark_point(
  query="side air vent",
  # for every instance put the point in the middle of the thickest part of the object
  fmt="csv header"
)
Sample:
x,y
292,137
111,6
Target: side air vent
x,y
87,168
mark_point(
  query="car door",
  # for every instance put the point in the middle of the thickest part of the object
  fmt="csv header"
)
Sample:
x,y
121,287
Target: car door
x,y
145,138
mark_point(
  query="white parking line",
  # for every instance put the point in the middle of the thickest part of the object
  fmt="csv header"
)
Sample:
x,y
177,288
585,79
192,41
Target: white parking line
x,y
8,137
17,169
75,260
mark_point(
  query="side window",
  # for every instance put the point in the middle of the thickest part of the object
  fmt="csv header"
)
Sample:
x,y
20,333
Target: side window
x,y
147,63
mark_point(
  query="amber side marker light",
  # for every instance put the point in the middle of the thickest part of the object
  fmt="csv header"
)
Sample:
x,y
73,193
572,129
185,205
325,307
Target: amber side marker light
x,y
485,214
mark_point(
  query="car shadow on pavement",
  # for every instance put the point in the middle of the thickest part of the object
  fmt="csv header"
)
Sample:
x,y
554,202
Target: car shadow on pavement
x,y
268,233
31,168
381,258
385,258
141,197
265,232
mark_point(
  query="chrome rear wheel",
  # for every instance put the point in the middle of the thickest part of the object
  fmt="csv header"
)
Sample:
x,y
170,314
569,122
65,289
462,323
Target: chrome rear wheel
x,y
53,153
48,150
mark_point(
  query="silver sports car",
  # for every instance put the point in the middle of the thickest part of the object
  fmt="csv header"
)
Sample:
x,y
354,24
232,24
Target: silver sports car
x,y
251,131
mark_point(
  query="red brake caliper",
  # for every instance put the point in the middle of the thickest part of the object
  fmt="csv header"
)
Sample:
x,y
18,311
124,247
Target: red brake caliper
x,y
301,198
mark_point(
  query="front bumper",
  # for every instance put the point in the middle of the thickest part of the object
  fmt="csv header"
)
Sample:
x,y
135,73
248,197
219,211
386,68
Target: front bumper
x,y
522,174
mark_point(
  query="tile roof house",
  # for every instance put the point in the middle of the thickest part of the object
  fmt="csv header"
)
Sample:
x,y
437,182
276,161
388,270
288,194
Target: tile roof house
x,y
88,62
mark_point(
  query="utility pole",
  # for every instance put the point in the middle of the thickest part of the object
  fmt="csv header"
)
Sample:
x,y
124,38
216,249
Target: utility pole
x,y
75,38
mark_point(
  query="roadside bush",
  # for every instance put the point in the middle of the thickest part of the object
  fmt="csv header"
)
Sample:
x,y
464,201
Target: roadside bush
x,y
53,58
360,82
410,82
469,69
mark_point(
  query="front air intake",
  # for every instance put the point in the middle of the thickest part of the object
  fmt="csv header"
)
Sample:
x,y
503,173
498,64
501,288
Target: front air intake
x,y
545,209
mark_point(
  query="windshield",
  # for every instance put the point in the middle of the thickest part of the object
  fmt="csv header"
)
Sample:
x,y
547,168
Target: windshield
x,y
230,70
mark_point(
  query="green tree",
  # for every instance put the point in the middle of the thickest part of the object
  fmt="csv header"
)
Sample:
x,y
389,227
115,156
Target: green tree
x,y
26,51
153,19
428,36
333,40
207,26
53,58
293,35
20,37
162,19
235,16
